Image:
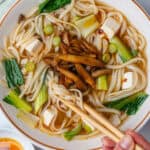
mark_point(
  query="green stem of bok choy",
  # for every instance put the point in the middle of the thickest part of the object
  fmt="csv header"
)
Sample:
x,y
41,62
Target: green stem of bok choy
x,y
87,128
69,135
123,51
42,97
101,83
14,99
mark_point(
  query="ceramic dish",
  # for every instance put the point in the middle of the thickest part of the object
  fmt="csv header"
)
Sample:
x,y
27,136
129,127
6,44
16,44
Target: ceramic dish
x,y
7,133
137,17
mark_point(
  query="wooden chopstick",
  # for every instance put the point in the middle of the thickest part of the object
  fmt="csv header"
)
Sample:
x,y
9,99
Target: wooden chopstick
x,y
99,117
97,120
106,123
90,119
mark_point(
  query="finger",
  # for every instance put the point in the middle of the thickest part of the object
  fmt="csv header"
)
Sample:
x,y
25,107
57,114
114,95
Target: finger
x,y
139,140
118,147
107,142
126,143
107,148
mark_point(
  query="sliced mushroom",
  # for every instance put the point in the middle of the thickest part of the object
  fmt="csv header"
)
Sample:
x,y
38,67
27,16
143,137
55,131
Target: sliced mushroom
x,y
68,82
65,81
51,55
63,48
73,77
81,60
52,62
85,75
89,46
98,73
61,79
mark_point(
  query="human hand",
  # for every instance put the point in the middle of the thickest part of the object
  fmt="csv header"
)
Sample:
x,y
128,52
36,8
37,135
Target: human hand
x,y
127,143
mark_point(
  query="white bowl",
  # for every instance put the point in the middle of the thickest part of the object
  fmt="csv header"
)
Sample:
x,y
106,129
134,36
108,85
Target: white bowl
x,y
8,133
137,17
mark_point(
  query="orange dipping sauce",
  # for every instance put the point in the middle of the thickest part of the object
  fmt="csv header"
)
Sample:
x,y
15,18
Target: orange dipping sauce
x,y
10,144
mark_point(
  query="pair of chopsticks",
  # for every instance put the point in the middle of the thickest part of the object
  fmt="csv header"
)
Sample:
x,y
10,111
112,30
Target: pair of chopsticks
x,y
98,121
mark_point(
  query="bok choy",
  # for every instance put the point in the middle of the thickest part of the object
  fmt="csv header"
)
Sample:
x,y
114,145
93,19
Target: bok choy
x,y
130,105
123,51
101,83
14,75
41,99
14,99
69,135
51,5
42,96
87,128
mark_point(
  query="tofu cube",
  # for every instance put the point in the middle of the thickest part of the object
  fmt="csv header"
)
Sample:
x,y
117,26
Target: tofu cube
x,y
24,61
35,46
127,80
110,27
48,116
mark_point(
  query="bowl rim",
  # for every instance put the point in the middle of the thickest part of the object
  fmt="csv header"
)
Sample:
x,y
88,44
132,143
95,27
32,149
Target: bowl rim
x,y
37,142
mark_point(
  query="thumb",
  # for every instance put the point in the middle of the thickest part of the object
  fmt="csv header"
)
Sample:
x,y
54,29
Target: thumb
x,y
126,143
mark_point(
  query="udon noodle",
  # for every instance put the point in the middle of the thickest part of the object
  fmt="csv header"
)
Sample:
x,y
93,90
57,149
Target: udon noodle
x,y
31,28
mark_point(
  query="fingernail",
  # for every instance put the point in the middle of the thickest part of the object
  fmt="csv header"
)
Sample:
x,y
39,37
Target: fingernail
x,y
126,142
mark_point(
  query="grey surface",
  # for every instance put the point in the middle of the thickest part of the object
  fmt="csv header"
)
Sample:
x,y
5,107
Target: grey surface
x,y
145,4
145,131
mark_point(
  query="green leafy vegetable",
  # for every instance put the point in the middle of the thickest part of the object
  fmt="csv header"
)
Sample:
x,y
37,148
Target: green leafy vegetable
x,y
130,105
51,5
87,128
123,51
14,75
70,134
14,99
41,99
112,48
43,5
56,41
42,96
134,52
101,83
106,57
48,29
